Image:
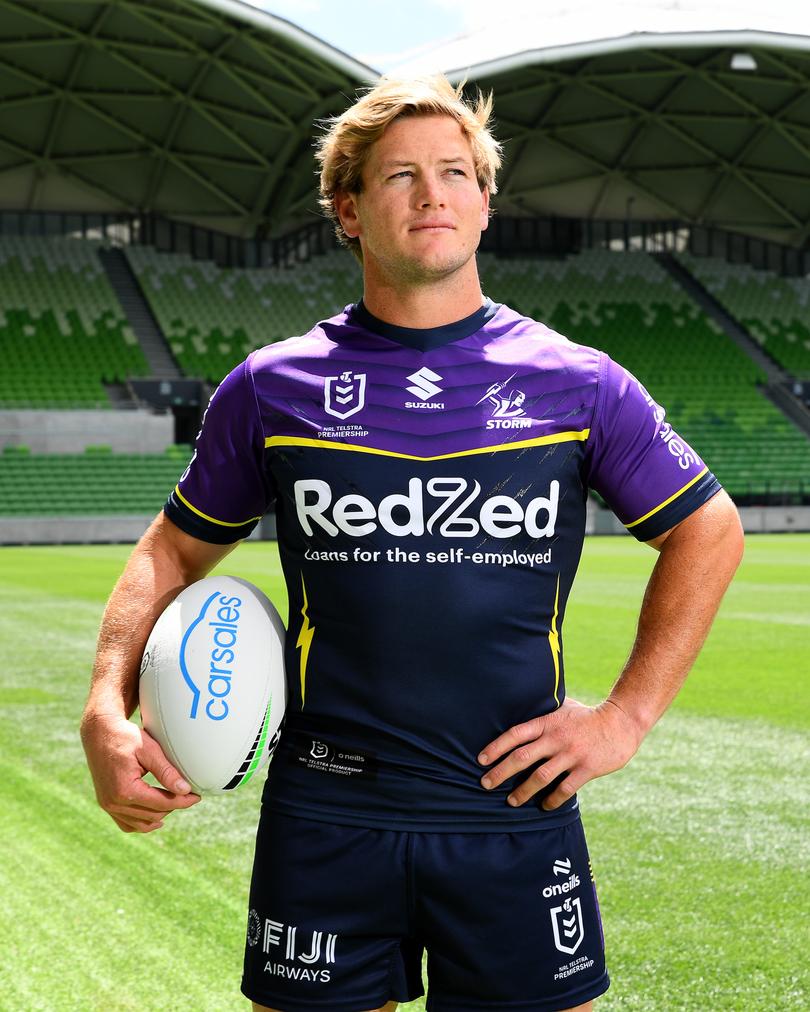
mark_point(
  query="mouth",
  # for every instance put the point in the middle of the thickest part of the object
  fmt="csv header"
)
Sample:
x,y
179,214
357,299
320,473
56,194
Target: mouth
x,y
433,226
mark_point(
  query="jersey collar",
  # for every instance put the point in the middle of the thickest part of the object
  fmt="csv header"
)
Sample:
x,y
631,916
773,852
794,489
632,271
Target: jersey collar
x,y
427,338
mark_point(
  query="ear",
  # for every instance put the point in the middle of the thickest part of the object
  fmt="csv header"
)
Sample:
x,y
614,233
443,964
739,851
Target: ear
x,y
484,208
346,210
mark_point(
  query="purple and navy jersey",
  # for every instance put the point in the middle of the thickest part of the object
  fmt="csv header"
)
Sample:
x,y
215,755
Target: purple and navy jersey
x,y
430,491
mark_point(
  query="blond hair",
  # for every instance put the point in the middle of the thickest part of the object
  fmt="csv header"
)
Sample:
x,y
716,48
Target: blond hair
x,y
343,149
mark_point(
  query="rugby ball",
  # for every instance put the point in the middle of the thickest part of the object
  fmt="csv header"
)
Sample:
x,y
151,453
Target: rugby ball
x,y
212,690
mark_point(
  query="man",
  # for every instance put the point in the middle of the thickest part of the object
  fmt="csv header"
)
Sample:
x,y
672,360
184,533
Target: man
x,y
429,453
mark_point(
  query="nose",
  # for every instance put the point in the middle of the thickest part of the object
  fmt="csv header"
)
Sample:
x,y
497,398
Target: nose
x,y
430,192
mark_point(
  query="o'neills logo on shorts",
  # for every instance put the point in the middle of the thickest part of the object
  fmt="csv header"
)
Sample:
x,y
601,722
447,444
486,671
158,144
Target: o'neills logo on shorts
x,y
450,507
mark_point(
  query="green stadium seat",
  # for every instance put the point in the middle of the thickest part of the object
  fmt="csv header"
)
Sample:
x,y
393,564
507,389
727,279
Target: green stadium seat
x,y
91,483
62,332
627,305
772,308
213,317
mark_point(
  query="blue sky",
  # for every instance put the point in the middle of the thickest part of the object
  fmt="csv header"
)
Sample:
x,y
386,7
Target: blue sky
x,y
384,34
380,33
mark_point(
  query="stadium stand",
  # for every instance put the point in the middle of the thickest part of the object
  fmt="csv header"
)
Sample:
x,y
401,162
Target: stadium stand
x,y
626,304
94,482
213,317
62,332
773,309
64,336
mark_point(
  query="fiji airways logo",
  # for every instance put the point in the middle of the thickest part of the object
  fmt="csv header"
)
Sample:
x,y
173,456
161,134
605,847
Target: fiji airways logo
x,y
281,942
344,395
217,625
424,387
507,408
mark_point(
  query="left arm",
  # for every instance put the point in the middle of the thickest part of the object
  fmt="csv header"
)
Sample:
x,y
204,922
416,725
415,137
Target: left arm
x,y
697,560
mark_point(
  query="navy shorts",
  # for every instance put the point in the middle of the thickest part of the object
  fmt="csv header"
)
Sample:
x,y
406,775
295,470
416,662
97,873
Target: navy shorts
x,y
340,917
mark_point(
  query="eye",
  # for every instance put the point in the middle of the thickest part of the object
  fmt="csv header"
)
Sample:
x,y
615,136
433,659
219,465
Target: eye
x,y
399,175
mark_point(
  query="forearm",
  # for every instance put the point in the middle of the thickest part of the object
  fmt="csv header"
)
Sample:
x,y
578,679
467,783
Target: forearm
x,y
156,572
696,563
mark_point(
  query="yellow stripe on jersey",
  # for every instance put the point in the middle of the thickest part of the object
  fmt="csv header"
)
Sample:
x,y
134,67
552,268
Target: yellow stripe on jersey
x,y
518,444
666,502
213,520
554,642
304,642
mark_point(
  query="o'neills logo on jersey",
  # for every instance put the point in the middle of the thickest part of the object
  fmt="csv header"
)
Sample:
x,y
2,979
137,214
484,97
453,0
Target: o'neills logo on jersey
x,y
449,507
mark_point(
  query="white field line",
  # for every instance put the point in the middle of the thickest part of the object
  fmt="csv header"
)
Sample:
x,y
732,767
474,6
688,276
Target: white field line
x,y
768,619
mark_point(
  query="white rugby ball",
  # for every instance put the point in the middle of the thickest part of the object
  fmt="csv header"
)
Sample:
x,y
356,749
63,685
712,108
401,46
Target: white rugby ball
x,y
212,687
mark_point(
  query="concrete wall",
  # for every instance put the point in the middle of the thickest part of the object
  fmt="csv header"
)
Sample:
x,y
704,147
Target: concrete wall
x,y
71,431
764,519
89,530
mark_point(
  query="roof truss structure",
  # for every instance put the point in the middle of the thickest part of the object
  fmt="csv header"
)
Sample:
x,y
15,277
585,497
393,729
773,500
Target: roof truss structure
x,y
202,110
660,132
205,110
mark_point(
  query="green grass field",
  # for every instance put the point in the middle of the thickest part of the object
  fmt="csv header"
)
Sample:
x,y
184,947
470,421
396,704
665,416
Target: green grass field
x,y
700,846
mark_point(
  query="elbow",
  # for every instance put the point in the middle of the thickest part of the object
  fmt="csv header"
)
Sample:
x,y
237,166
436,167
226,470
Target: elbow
x,y
734,533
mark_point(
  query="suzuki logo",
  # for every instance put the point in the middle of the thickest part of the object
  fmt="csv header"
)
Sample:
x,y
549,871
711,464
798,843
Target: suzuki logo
x,y
424,384
344,395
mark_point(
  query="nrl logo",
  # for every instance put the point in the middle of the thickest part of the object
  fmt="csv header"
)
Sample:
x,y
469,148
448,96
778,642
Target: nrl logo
x,y
568,926
344,395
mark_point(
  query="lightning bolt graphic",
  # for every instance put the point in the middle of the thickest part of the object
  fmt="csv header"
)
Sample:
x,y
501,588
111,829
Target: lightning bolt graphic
x,y
554,642
304,642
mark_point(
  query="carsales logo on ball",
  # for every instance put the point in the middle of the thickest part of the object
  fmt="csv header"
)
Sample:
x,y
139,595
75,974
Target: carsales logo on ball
x,y
217,626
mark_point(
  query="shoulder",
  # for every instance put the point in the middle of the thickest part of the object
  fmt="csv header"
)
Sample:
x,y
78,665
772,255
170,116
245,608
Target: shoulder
x,y
535,343
315,343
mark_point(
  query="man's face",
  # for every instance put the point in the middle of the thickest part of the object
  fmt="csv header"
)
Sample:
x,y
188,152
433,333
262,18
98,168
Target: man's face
x,y
421,212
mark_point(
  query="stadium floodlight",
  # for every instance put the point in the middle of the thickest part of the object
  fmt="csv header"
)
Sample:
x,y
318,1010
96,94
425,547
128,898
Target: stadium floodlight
x,y
743,61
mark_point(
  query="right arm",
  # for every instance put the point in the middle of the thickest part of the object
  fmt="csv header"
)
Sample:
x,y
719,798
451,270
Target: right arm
x,y
119,753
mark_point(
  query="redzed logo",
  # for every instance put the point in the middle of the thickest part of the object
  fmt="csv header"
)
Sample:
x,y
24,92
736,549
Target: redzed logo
x,y
447,504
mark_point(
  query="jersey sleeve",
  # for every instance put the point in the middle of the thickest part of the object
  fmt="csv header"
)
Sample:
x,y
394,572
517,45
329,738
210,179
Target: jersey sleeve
x,y
225,491
649,476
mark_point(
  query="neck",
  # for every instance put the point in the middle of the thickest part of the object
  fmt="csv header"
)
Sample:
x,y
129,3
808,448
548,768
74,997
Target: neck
x,y
423,304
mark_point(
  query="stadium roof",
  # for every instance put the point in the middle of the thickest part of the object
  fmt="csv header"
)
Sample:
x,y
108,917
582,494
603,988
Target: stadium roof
x,y
198,109
671,110
203,110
